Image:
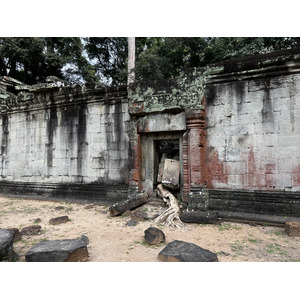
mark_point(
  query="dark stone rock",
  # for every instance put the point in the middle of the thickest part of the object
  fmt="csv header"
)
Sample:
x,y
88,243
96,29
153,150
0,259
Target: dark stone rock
x,y
292,228
139,215
17,233
199,217
59,251
38,220
59,208
154,236
186,252
90,206
59,220
6,245
131,223
31,230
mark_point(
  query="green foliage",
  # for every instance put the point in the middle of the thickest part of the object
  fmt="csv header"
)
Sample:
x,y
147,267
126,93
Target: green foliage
x,y
104,59
32,59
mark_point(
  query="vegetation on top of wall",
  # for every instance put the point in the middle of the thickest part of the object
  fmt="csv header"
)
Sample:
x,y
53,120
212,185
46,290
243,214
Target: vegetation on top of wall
x,y
103,60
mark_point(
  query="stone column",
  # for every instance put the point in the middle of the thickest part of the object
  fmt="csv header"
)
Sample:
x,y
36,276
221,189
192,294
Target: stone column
x,y
195,122
135,154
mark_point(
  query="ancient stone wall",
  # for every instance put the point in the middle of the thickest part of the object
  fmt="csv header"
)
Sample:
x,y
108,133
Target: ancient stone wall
x,y
252,155
253,126
67,135
241,143
236,123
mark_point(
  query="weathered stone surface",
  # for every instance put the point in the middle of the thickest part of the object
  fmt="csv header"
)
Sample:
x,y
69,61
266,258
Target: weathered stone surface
x,y
162,122
17,234
31,230
199,217
59,220
154,236
131,223
6,245
186,252
120,207
67,250
139,215
292,228
171,172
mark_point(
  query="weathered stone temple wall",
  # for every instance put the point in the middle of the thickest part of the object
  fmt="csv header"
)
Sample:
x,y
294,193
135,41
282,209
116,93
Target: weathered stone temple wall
x,y
235,124
240,138
253,134
64,140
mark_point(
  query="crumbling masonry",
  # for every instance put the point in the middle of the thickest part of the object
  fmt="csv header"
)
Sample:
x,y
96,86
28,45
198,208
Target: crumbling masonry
x,y
236,126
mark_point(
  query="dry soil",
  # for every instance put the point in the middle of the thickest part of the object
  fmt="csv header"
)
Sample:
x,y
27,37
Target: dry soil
x,y
110,240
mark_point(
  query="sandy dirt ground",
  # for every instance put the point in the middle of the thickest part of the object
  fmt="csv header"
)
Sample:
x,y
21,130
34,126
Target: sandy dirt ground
x,y
111,240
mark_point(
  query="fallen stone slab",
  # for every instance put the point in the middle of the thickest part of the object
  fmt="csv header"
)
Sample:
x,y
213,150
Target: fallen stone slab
x,y
199,217
128,204
68,250
31,230
6,245
154,236
186,252
59,220
292,228
171,170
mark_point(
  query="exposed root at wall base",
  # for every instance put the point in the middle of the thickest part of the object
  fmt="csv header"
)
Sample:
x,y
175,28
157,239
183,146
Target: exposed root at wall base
x,y
170,215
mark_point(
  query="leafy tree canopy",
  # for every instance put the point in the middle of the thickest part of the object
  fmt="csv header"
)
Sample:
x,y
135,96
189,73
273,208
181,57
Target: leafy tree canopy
x,y
103,60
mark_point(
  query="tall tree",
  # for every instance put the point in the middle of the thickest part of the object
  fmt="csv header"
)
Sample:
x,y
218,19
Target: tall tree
x,y
32,59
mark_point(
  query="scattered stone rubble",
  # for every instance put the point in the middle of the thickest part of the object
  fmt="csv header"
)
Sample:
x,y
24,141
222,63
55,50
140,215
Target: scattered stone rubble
x,y
292,228
154,236
31,230
59,220
6,245
179,251
68,250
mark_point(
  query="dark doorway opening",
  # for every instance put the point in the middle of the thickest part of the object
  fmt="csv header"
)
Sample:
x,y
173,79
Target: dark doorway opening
x,y
165,149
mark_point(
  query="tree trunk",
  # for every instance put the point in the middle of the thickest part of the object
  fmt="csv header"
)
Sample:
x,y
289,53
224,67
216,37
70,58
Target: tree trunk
x,y
131,60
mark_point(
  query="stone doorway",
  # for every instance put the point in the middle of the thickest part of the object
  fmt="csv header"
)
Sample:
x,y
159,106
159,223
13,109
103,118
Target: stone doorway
x,y
155,146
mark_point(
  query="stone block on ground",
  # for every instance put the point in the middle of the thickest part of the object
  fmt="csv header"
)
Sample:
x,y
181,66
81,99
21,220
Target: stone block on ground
x,y
186,252
59,220
6,245
154,236
128,204
68,250
131,223
31,230
199,217
139,215
292,228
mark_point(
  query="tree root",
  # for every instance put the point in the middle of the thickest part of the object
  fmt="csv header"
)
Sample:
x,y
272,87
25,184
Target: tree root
x,y
171,214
